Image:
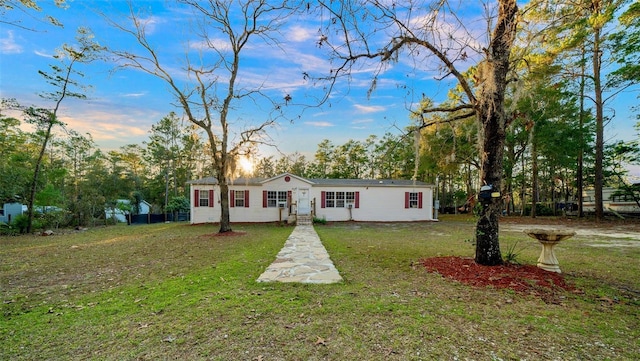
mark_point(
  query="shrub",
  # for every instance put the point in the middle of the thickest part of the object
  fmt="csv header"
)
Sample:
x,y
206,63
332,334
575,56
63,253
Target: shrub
x,y
317,220
541,210
7,229
21,221
178,204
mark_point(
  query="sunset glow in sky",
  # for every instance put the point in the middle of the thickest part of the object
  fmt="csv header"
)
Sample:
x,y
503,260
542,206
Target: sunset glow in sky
x,y
122,105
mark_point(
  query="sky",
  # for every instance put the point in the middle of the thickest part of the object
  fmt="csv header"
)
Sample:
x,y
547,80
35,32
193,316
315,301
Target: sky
x,y
122,105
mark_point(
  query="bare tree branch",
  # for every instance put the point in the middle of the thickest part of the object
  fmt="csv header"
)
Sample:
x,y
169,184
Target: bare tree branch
x,y
210,90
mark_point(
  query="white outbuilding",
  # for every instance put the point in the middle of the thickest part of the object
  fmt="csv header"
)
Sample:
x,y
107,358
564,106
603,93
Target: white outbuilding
x,y
287,197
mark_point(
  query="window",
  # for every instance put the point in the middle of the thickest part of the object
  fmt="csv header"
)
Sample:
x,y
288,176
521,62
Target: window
x,y
273,199
239,198
330,200
350,198
622,198
340,199
203,200
413,200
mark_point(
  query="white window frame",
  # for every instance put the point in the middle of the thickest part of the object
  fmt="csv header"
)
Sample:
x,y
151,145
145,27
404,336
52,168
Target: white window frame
x,y
203,197
274,198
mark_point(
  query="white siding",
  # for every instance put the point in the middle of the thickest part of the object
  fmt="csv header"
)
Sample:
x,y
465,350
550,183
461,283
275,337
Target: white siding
x,y
205,214
378,204
381,203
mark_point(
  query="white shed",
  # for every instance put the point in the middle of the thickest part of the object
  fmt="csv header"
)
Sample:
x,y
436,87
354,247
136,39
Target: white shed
x,y
286,196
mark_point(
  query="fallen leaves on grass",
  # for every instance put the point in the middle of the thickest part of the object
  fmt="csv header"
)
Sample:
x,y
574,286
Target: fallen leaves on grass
x,y
224,234
320,341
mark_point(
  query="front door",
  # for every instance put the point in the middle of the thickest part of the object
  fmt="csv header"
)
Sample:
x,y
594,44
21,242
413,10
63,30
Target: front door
x,y
304,205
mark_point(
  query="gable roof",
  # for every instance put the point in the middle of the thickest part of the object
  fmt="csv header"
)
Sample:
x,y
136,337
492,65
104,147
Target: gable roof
x,y
335,182
305,180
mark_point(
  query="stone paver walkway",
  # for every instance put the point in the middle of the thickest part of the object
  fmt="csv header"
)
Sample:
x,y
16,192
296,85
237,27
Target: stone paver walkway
x,y
302,259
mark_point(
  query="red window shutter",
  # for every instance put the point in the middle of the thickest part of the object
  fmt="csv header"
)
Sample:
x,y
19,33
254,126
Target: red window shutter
x,y
264,199
357,205
406,199
196,196
419,199
211,198
322,198
246,198
232,198
289,196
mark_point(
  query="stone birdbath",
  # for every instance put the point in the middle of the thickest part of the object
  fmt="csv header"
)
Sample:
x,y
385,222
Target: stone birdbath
x,y
549,238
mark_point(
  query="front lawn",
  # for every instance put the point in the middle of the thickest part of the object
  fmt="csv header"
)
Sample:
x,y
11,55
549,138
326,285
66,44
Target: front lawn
x,y
176,291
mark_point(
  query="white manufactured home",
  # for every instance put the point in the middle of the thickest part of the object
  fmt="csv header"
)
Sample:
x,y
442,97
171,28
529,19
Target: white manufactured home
x,y
286,197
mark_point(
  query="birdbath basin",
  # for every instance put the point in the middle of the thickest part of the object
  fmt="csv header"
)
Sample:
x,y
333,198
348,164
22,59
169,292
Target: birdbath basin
x,y
549,238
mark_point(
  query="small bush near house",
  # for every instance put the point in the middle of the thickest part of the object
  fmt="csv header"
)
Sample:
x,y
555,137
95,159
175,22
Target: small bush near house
x,y
317,220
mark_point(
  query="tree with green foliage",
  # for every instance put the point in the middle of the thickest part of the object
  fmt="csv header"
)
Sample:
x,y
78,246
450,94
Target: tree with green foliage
x,y
176,205
321,167
78,150
265,168
63,79
167,150
16,160
626,48
585,38
550,111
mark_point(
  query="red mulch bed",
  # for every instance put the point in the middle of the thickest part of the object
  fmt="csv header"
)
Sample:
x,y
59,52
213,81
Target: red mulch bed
x,y
527,279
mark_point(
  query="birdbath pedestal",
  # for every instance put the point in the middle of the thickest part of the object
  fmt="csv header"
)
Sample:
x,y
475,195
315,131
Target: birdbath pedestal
x,y
549,238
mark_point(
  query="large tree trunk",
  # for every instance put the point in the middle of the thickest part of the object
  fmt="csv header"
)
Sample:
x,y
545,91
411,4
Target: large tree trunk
x,y
487,240
599,126
36,174
491,115
535,190
225,221
580,170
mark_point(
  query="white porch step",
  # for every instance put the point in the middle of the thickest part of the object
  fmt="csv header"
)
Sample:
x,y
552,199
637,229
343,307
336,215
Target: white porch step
x,y
304,220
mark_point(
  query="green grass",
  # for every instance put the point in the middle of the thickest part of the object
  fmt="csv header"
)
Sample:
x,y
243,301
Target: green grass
x,y
173,291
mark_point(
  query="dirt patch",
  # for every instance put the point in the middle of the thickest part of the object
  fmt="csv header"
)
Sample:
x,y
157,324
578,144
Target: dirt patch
x,y
589,228
224,234
524,279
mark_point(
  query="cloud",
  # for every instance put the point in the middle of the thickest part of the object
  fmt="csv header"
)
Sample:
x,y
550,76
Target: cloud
x,y
151,23
362,121
221,45
362,124
320,124
43,54
8,44
105,126
300,34
369,109
452,32
134,95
